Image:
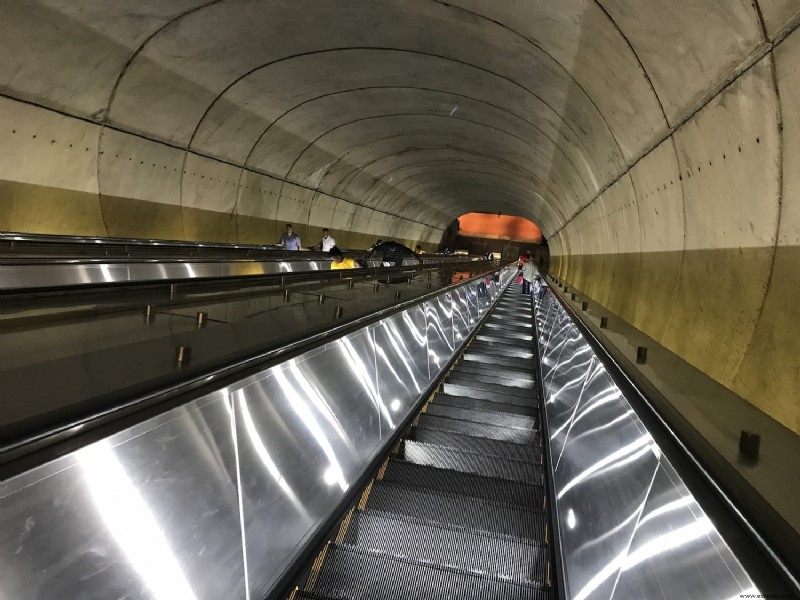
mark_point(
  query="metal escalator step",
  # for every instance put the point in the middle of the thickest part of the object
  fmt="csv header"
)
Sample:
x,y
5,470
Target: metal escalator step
x,y
421,453
363,575
481,416
477,383
493,432
304,595
477,552
486,405
458,510
500,399
517,325
452,482
512,337
494,380
484,391
476,444
509,352
475,368
504,361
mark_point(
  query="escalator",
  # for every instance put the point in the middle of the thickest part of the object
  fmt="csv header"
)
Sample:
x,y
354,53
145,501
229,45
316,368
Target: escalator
x,y
459,508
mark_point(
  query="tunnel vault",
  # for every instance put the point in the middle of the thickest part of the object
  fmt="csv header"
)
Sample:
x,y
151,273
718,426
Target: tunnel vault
x,y
655,143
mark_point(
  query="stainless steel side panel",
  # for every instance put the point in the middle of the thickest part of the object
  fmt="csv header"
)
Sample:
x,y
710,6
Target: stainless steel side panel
x,y
213,499
151,512
77,273
629,527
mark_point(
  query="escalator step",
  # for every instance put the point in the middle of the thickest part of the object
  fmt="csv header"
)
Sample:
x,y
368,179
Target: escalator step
x,y
362,575
490,399
496,350
486,405
512,337
489,447
496,326
461,511
504,434
472,367
478,552
421,453
453,482
481,416
486,391
503,361
494,380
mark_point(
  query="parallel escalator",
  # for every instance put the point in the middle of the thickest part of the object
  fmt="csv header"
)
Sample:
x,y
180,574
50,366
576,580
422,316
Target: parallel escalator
x,y
459,508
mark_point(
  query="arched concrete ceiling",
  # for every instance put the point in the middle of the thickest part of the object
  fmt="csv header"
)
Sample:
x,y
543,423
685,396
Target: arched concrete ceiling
x,y
319,94
655,142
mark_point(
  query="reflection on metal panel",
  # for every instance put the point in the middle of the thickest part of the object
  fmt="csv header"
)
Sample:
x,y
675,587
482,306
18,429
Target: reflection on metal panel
x,y
213,499
439,332
99,271
629,526
151,512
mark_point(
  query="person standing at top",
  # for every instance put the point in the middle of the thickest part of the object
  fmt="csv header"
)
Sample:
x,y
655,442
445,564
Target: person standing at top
x,y
290,240
418,250
327,242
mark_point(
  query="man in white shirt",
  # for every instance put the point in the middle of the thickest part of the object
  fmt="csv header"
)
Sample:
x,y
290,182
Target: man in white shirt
x,y
327,242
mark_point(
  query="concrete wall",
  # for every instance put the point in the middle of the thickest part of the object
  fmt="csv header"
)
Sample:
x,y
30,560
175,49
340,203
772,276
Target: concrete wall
x,y
655,143
697,243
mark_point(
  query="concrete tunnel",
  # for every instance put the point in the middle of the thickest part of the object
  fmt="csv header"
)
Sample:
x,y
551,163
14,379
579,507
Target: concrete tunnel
x,y
656,144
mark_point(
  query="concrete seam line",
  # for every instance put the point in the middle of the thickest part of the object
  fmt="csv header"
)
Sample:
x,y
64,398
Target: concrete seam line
x,y
776,89
548,55
750,62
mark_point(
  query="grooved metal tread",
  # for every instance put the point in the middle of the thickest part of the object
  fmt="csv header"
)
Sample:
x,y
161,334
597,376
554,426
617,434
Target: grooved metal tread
x,y
486,405
519,350
422,453
475,444
475,368
444,481
474,551
360,575
503,434
500,419
485,391
474,513
510,337
490,399
523,364
494,380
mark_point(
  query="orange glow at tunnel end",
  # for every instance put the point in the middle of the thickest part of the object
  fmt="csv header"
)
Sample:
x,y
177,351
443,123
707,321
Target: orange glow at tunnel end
x,y
499,226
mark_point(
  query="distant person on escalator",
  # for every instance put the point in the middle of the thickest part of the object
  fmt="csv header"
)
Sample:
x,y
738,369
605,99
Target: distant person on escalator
x,y
327,242
528,273
290,240
540,287
392,254
338,261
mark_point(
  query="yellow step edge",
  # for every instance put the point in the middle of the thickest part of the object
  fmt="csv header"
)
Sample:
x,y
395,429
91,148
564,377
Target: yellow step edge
x,y
316,567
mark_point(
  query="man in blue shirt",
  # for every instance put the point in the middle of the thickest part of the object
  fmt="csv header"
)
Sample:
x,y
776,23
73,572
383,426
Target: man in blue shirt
x,y
290,240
